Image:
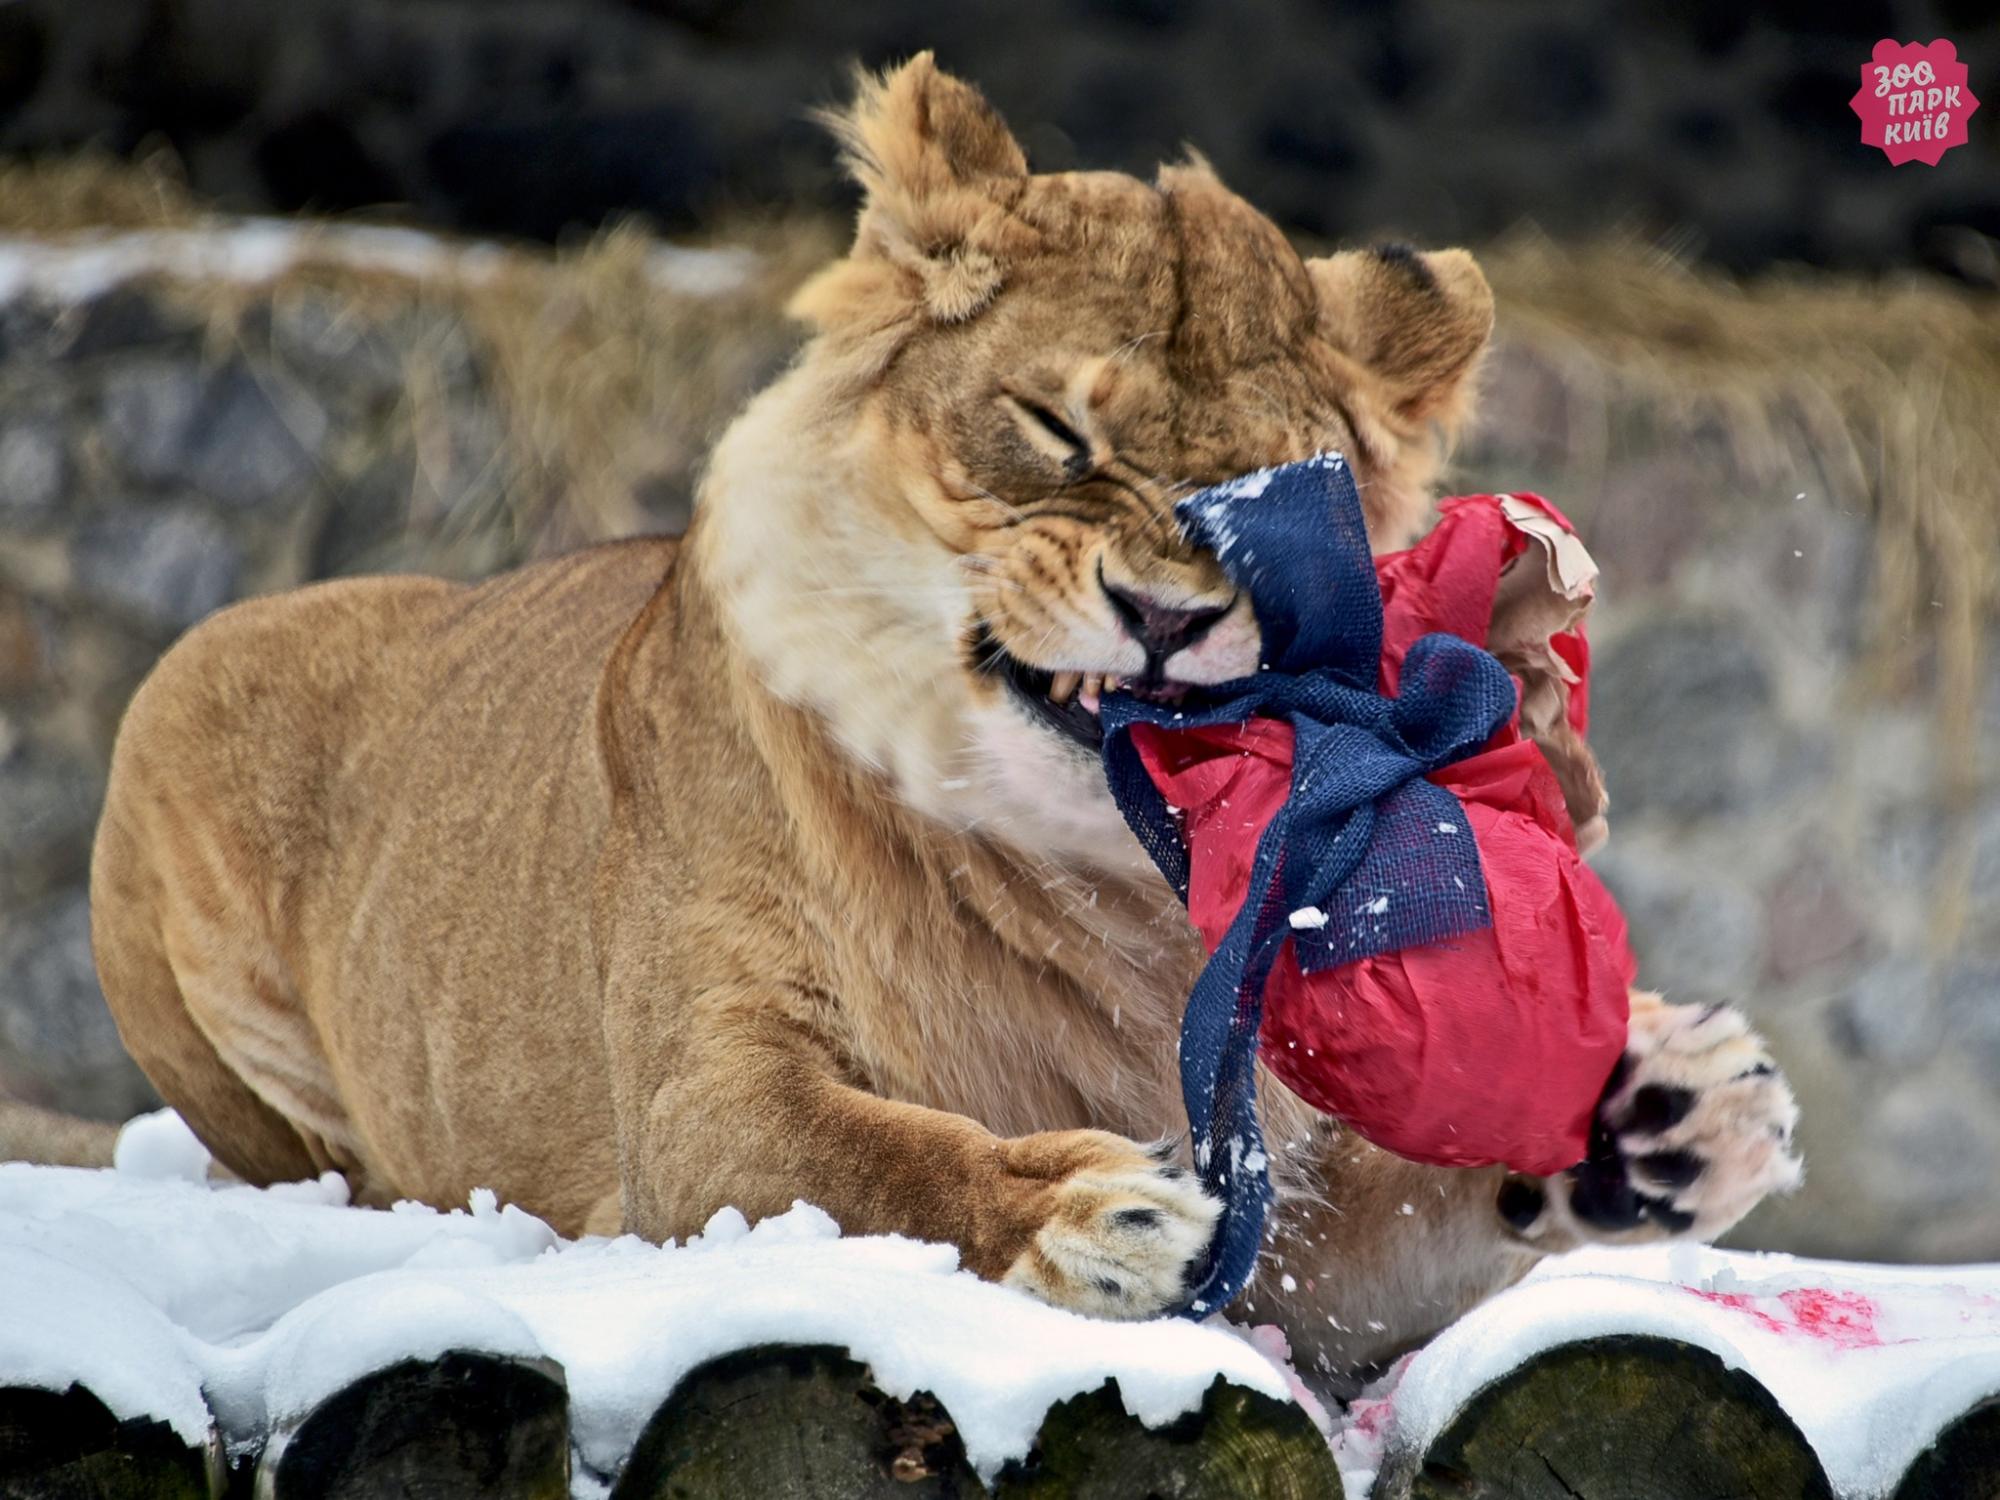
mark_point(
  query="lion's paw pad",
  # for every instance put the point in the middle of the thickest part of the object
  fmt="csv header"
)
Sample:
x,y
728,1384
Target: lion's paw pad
x,y
1694,1129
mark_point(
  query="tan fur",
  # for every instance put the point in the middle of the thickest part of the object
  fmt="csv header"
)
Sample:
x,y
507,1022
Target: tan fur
x,y
669,876
30,1133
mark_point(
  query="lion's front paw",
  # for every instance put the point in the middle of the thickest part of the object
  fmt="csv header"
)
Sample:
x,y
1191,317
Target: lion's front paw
x,y
1119,1229
1694,1128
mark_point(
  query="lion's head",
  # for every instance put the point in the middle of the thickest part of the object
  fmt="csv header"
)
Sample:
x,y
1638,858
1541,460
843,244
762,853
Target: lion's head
x,y
952,522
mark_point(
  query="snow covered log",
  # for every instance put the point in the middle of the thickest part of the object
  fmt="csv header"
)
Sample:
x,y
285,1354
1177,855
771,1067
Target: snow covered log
x,y
1621,1415
337,1351
67,1445
1686,1372
810,1422
429,1429
349,1351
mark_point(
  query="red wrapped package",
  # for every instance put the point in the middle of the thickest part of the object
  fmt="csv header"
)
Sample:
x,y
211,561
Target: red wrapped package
x,y
1494,1045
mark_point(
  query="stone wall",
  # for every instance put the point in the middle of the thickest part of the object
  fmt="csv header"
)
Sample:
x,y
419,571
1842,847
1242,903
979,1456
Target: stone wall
x,y
1793,825
1724,124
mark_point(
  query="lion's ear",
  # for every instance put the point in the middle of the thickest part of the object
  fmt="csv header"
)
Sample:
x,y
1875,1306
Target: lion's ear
x,y
1418,321
938,170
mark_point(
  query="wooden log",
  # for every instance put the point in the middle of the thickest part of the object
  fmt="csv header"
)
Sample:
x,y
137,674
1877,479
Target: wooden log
x,y
794,1424
1964,1461
1239,1445
808,1424
430,1429
1625,1417
66,1445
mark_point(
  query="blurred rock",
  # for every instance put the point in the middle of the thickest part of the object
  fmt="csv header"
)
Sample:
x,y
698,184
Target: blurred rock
x,y
1985,839
1889,1014
1681,718
58,1045
48,812
120,320
1970,1003
1650,517
227,434
346,357
23,653
1523,422
23,51
34,468
1927,1153
1697,933
368,516
167,568
149,414
1811,920
253,443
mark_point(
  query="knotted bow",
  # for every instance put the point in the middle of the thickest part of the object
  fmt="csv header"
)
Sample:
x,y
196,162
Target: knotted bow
x,y
1364,857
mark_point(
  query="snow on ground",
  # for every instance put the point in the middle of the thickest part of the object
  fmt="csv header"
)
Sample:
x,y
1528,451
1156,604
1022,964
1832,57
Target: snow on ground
x,y
74,268
154,1288
1871,1361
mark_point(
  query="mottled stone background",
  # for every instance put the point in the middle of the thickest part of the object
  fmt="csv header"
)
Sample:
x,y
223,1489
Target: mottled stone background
x,y
1785,482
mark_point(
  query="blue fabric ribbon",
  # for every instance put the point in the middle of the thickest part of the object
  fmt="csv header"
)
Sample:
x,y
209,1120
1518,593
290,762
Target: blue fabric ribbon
x,y
1386,857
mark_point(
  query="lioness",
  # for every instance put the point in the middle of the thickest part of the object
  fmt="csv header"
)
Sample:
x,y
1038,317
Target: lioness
x,y
777,862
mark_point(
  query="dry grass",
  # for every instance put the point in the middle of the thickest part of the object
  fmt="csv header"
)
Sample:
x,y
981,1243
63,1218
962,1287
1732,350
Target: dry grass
x,y
93,190
609,377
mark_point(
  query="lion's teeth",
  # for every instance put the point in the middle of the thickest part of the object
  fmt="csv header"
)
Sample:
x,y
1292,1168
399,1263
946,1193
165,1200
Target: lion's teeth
x,y
1063,686
1113,682
1093,691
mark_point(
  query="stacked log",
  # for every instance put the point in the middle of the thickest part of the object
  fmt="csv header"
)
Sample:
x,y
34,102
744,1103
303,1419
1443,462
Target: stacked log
x,y
777,1423
1618,1417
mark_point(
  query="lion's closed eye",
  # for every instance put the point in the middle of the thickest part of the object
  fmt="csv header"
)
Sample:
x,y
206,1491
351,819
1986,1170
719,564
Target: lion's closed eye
x,y
1049,435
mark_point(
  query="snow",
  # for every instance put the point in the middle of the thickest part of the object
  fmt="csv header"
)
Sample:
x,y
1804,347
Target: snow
x,y
75,268
153,1287
1871,1362
1308,918
1213,504
160,1145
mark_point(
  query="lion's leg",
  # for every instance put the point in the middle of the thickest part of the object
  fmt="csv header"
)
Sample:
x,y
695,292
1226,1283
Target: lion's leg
x,y
243,1132
1374,1254
751,1111
183,953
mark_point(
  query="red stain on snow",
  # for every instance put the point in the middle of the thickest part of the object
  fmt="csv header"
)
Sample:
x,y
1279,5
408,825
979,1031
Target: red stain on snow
x,y
1843,1319
1745,1305
1370,1416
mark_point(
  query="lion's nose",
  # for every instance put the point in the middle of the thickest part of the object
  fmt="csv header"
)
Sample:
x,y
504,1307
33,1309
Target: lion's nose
x,y
1162,629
